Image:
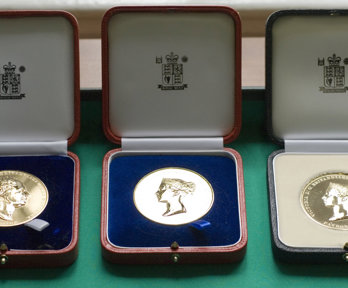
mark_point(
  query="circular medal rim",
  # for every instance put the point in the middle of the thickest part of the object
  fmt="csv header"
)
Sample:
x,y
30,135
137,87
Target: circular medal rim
x,y
305,188
43,207
180,168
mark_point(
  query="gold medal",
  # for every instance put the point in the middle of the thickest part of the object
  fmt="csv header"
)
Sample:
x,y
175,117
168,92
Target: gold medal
x,y
173,196
325,200
22,197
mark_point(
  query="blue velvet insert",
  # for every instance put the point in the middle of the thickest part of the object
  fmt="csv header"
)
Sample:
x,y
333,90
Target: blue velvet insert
x,y
128,228
57,172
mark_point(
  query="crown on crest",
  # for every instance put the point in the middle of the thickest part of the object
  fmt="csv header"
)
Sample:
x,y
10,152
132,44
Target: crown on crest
x,y
9,67
171,58
334,60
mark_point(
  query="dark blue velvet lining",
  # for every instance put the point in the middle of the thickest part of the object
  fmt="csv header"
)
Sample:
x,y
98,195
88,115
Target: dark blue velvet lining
x,y
128,228
57,172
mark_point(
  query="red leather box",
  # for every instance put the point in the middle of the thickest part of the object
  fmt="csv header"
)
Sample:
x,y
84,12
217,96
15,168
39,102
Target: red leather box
x,y
40,118
172,98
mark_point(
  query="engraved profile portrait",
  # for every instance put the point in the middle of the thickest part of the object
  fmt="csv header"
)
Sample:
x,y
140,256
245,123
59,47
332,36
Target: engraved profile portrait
x,y
173,192
12,196
336,196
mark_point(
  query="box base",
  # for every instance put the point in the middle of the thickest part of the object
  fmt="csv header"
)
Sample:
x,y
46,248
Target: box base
x,y
126,232
297,237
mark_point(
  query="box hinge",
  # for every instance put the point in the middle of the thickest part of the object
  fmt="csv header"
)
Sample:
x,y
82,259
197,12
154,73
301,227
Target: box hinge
x,y
172,144
316,146
34,148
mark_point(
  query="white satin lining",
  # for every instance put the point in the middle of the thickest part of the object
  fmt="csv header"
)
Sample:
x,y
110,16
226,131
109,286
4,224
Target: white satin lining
x,y
34,148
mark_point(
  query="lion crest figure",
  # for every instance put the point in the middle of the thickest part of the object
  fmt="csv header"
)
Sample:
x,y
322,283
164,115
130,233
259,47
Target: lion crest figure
x,y
336,196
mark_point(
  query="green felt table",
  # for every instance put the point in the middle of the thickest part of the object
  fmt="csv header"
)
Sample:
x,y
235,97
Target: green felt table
x,y
258,269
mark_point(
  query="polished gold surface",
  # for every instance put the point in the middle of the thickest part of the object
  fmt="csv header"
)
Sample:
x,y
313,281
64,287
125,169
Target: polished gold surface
x,y
22,197
173,196
325,200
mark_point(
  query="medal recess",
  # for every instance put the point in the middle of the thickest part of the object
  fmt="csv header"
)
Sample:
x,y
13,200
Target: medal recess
x,y
22,197
325,200
173,196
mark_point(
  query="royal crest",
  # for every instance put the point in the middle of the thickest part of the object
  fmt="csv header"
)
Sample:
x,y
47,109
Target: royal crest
x,y
334,75
10,83
172,73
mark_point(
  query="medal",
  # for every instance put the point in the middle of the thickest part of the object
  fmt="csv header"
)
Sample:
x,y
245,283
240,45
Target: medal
x,y
325,200
22,197
173,196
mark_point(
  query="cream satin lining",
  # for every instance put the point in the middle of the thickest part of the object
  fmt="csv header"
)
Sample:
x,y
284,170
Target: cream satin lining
x,y
291,173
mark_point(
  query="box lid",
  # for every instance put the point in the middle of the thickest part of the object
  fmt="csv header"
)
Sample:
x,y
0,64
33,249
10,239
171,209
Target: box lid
x,y
306,58
39,89
171,72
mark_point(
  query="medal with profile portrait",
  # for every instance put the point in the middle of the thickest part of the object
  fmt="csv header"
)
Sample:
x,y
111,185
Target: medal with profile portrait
x,y
325,200
23,197
173,196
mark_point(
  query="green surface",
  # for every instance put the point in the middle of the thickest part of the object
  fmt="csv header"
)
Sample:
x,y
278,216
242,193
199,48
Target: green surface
x,y
258,269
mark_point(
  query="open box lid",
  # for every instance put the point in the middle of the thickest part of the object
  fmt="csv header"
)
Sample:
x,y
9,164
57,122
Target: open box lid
x,y
39,89
306,85
171,72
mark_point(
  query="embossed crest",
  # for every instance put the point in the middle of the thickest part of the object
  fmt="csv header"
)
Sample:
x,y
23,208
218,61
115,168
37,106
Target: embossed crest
x,y
172,73
333,75
10,83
